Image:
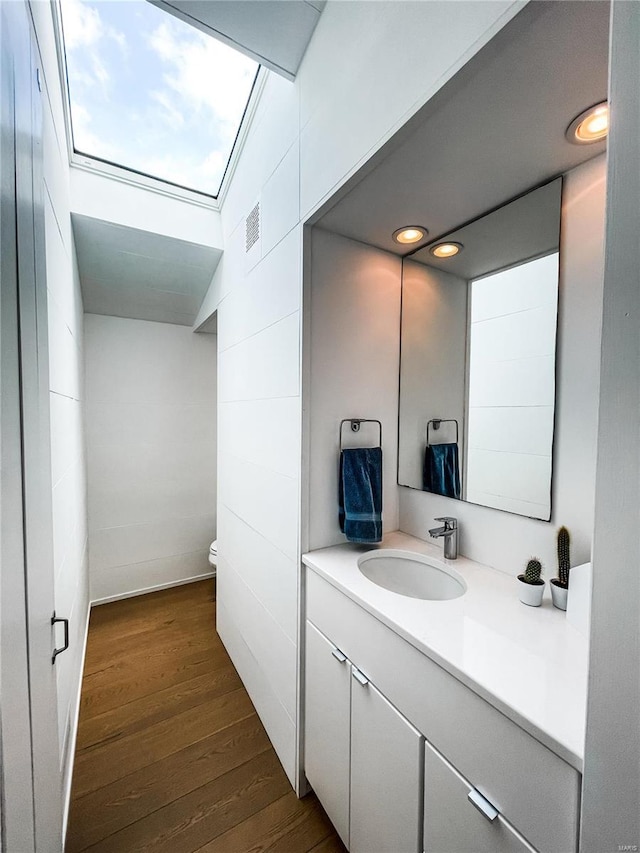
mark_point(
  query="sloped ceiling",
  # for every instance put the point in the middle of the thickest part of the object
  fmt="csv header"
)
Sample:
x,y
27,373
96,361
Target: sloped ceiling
x,y
127,272
273,32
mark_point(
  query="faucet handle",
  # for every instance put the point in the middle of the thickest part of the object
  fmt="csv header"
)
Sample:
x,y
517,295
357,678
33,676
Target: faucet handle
x,y
450,523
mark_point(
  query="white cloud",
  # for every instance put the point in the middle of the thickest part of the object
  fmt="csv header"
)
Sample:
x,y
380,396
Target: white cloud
x,y
84,138
168,110
205,78
206,74
83,25
214,166
99,71
174,168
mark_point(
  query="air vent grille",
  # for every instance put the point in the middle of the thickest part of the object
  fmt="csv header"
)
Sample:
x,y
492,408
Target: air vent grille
x,y
253,227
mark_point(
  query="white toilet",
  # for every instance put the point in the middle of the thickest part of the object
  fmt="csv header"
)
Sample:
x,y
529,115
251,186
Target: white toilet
x,y
213,555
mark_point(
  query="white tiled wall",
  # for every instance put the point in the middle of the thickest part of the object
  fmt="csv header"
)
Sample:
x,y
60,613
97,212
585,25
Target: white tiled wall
x,y
498,538
66,394
434,356
151,441
368,67
511,383
354,359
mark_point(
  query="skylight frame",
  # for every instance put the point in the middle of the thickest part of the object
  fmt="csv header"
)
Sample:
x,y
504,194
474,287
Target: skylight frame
x,y
128,175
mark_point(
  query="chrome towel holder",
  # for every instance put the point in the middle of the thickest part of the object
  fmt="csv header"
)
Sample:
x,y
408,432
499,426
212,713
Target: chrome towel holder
x,y
436,422
355,426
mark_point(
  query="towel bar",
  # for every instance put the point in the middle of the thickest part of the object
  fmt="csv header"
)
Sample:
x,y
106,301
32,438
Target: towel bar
x,y
436,425
355,426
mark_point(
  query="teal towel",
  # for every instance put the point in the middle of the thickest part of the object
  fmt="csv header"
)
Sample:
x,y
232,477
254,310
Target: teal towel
x,y
360,494
441,473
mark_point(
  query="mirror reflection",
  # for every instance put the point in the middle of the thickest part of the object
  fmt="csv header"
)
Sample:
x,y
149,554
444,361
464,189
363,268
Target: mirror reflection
x,y
478,352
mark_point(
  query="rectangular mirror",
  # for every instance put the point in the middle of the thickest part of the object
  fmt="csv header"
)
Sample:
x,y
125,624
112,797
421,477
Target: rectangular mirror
x,y
478,358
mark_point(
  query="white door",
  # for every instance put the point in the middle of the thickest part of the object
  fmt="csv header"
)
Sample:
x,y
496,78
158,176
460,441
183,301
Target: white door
x,y
326,727
386,774
31,779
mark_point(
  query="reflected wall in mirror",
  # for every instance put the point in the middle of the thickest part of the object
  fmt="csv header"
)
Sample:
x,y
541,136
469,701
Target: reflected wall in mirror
x,y
478,355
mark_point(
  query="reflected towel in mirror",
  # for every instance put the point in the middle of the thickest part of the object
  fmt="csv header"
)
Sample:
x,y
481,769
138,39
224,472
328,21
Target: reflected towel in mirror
x,y
441,471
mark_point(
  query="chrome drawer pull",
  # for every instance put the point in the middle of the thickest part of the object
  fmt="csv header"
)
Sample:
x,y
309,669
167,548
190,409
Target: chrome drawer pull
x,y
359,677
483,805
338,655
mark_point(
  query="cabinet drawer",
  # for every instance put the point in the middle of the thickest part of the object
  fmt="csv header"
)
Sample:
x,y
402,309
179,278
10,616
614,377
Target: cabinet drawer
x,y
528,783
452,823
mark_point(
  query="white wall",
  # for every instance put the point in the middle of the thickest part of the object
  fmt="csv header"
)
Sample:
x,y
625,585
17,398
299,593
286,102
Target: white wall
x,y
433,374
369,66
512,341
354,353
66,395
151,450
611,782
506,541
111,200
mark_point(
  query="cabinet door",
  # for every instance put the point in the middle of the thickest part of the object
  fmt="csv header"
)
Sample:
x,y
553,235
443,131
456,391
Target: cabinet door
x,y
453,824
386,775
327,727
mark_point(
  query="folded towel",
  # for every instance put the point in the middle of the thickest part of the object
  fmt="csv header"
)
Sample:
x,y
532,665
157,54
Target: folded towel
x,y
360,494
441,470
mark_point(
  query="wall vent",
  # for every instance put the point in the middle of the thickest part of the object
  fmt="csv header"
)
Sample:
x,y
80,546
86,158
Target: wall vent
x,y
252,226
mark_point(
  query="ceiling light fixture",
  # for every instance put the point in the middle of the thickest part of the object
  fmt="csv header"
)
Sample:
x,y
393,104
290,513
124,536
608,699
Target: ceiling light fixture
x,y
410,234
592,125
446,250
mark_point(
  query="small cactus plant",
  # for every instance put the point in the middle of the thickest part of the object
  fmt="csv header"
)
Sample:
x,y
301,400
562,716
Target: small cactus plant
x,y
564,558
533,571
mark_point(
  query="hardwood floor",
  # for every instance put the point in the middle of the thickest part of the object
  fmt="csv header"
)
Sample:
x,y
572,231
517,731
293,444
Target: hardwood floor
x,y
171,755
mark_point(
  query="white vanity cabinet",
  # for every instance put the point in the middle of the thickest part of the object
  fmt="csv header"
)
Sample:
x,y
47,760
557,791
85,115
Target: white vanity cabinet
x,y
371,744
362,757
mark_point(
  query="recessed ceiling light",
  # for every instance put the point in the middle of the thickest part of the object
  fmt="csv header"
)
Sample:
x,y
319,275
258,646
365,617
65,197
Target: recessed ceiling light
x,y
592,125
410,234
446,250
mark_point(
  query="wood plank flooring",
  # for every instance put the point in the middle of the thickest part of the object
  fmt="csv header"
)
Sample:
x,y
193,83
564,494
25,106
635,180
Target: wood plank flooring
x,y
171,755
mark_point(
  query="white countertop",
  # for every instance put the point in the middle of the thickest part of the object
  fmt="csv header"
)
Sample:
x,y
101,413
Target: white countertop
x,y
528,662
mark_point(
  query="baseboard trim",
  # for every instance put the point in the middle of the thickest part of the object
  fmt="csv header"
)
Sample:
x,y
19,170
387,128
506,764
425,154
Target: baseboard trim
x,y
122,595
73,736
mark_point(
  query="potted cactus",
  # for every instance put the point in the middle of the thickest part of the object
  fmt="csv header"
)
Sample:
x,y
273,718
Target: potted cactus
x,y
560,585
531,586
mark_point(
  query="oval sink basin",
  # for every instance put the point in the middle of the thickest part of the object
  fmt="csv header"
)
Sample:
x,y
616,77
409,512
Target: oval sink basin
x,y
413,575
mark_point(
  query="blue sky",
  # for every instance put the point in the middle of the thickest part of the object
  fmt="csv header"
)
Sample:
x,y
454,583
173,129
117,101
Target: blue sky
x,y
151,93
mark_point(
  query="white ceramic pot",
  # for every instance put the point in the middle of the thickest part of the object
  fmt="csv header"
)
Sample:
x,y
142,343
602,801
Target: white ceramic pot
x,y
530,593
559,595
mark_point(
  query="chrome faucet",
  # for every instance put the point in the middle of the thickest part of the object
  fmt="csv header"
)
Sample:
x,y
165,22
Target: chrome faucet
x,y
450,534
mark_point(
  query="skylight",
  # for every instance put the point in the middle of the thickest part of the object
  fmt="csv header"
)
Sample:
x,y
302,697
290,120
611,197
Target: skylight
x,y
152,94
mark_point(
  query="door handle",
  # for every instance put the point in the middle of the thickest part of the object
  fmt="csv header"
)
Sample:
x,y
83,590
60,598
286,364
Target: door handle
x,y
65,622
338,655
